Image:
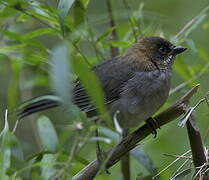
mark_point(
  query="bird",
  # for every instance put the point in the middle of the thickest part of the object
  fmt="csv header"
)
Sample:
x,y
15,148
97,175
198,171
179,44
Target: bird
x,y
135,84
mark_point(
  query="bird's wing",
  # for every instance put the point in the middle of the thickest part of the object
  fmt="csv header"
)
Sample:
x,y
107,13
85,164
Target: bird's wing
x,y
113,75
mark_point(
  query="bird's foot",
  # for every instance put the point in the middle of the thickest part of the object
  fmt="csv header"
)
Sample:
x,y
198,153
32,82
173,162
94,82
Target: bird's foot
x,y
153,124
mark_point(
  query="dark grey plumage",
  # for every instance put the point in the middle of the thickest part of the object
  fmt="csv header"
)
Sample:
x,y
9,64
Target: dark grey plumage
x,y
136,83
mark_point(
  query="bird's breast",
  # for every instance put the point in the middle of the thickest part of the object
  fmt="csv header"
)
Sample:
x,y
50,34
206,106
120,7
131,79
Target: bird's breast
x,y
153,93
147,92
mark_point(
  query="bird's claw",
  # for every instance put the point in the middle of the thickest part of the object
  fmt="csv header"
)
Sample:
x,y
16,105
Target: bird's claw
x,y
153,125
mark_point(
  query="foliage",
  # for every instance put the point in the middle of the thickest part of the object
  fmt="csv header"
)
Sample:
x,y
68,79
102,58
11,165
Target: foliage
x,y
46,45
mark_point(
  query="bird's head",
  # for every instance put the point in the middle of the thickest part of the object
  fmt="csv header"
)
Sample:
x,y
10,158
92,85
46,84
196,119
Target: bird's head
x,y
154,53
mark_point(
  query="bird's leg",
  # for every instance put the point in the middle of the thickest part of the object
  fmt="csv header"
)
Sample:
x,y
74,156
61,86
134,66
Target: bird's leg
x,y
153,124
101,155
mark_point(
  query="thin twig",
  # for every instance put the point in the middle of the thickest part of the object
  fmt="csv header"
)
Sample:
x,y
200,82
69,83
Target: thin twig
x,y
81,53
182,85
190,23
171,164
177,156
131,23
199,172
61,172
178,170
91,40
114,51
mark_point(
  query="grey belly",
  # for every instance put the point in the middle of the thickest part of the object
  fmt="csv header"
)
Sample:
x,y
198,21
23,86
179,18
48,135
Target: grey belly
x,y
142,102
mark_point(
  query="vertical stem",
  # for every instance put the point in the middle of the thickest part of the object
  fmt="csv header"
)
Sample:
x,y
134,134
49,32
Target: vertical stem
x,y
131,23
113,50
125,161
91,40
196,144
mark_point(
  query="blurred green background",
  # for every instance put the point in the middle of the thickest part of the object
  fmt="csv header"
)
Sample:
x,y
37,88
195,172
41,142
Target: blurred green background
x,y
30,30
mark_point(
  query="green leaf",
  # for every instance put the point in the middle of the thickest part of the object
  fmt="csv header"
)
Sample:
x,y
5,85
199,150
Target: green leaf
x,y
7,12
49,19
44,12
38,32
63,8
22,18
38,156
8,49
82,160
109,133
20,38
144,160
61,78
79,13
137,153
47,134
60,73
120,44
91,83
48,172
85,3
5,155
105,34
16,67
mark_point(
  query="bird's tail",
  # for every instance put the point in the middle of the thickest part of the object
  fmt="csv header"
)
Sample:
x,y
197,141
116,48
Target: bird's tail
x,y
37,104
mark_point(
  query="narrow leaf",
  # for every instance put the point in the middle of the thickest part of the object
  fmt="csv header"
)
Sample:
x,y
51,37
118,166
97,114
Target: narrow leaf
x,y
38,32
105,34
47,134
48,172
144,159
91,83
60,73
63,8
5,155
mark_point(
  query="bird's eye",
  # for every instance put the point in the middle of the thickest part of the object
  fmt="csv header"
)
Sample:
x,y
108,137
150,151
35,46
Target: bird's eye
x,y
163,49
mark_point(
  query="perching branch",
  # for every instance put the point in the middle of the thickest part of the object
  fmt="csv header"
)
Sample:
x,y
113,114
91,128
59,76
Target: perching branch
x,y
132,140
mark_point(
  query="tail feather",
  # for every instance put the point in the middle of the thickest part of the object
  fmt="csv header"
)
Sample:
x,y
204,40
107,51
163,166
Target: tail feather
x,y
37,104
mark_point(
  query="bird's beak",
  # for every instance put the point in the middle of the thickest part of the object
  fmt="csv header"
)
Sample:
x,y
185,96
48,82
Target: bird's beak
x,y
178,49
